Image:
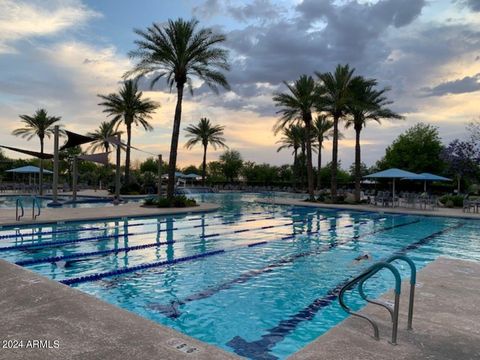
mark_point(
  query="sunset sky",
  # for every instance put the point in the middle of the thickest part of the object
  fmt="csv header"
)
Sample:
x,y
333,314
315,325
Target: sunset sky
x,y
59,54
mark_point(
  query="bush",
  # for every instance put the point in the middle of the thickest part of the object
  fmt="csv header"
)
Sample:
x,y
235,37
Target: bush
x,y
131,189
179,201
452,200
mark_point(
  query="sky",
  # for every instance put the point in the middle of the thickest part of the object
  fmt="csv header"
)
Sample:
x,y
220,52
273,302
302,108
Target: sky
x,y
59,54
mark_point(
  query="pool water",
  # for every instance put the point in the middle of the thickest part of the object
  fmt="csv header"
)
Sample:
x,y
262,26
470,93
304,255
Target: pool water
x,y
255,279
9,202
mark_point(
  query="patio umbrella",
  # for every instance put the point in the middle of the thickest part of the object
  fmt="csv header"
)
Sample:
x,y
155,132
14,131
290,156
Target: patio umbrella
x,y
29,170
393,174
427,177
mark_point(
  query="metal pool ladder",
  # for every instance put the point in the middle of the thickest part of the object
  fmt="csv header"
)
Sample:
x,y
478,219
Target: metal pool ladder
x,y
367,274
36,203
19,206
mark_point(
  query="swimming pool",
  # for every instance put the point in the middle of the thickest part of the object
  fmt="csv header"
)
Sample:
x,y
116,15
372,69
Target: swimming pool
x,y
9,201
255,279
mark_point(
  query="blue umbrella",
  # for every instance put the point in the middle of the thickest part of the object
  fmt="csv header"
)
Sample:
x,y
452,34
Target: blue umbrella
x,y
427,177
393,174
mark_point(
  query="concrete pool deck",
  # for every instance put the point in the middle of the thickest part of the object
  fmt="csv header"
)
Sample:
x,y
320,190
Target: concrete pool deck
x,y
443,212
53,215
446,321
34,308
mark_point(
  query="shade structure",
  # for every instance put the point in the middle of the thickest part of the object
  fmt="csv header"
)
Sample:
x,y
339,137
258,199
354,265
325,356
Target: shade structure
x,y
427,177
393,174
178,174
192,176
29,170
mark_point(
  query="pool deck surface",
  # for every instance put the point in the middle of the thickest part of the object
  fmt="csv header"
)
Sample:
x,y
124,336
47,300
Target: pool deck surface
x,y
36,308
446,321
49,215
445,212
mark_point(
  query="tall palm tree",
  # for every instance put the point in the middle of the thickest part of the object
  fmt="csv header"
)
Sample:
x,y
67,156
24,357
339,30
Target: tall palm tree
x,y
292,138
205,133
40,125
298,105
179,51
335,88
367,104
323,129
129,108
102,134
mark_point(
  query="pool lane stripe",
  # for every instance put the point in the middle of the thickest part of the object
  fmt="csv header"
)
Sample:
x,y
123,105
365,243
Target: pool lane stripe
x,y
171,310
98,228
108,251
46,244
259,349
125,270
52,259
130,269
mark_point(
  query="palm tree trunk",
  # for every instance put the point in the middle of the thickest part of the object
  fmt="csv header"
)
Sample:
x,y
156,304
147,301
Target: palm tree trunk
x,y
40,180
107,148
295,167
174,145
204,164
308,124
319,178
333,186
357,164
127,157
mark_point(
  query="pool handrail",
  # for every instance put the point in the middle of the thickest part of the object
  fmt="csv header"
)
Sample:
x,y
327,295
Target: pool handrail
x,y
372,270
413,278
19,204
35,202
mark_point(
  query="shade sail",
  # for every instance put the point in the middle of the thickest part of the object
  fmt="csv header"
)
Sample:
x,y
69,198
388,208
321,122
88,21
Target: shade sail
x,y
101,158
392,173
75,139
28,152
29,170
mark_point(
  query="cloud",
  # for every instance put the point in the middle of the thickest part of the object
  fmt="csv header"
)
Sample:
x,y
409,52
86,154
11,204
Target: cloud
x,y
20,20
473,5
466,85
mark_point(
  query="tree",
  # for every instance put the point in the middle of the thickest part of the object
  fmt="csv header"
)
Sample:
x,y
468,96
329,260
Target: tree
x,y
205,133
292,138
40,125
418,150
463,159
232,162
104,132
129,108
179,51
366,104
322,130
335,89
297,105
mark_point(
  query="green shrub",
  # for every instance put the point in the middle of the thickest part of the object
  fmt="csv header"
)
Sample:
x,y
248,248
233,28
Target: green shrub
x,y
131,189
178,201
452,200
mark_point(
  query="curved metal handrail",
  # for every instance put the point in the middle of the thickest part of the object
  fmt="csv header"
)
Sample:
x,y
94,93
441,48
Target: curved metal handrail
x,y
362,278
413,277
37,203
19,204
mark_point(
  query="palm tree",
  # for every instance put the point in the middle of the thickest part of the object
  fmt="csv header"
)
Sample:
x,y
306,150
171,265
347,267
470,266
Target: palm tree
x,y
40,125
335,88
179,51
367,104
293,137
297,105
322,128
128,107
104,132
205,133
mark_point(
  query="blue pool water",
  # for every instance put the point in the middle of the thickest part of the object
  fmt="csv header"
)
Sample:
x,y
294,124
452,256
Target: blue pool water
x,y
9,202
255,279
